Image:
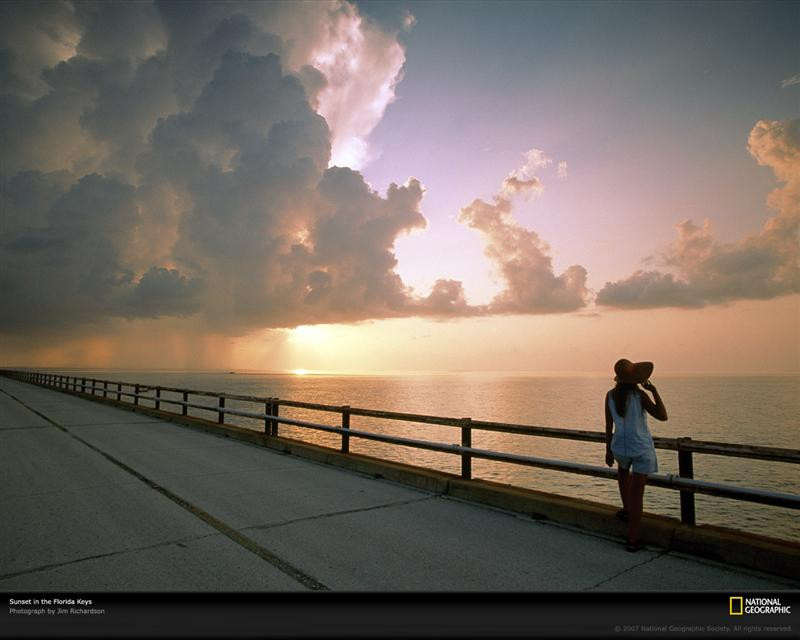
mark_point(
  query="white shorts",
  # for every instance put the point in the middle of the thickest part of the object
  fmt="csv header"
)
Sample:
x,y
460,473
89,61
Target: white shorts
x,y
643,463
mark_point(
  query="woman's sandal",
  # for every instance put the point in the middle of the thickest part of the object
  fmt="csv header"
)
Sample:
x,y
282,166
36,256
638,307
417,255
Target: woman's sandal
x,y
633,547
622,515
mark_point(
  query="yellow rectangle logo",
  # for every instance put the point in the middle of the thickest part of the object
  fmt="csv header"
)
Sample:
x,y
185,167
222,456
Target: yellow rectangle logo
x,y
737,605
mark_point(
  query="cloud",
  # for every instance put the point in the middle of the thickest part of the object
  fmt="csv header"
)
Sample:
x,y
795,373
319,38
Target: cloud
x,y
180,160
519,255
167,159
534,159
512,185
280,239
176,160
362,65
522,180
447,299
704,272
163,291
34,36
66,266
790,82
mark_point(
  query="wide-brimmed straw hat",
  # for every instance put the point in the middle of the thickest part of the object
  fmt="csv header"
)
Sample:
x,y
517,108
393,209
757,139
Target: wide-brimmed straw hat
x,y
635,372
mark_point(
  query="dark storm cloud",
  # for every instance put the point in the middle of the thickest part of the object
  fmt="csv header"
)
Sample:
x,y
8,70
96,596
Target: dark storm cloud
x,y
69,268
162,160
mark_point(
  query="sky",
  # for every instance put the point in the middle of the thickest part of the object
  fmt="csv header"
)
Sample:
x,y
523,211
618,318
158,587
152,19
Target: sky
x,y
401,186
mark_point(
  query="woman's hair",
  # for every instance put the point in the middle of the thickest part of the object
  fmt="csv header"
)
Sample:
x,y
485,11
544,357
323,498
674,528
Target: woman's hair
x,y
620,395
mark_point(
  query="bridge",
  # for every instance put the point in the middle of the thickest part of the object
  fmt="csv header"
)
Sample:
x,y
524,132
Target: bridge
x,y
102,493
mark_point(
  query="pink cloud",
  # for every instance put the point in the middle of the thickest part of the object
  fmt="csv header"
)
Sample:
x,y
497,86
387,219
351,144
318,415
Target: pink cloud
x,y
704,271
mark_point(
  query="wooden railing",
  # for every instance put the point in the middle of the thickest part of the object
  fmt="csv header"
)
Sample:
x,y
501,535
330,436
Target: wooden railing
x,y
132,393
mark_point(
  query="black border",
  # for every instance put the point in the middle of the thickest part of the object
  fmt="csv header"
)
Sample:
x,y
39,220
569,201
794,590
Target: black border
x,y
405,615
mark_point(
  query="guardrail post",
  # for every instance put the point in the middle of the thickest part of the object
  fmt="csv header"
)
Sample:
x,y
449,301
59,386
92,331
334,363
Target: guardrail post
x,y
274,424
220,415
158,398
466,441
185,400
686,470
346,425
119,391
105,388
83,385
136,394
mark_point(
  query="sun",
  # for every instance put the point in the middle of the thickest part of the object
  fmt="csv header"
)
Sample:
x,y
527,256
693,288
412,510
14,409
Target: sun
x,y
311,348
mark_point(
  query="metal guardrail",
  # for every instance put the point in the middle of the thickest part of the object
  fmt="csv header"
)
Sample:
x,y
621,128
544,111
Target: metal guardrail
x,y
684,482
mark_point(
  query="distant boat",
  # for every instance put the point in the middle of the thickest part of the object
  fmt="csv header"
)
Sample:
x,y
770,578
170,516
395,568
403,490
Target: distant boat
x,y
233,373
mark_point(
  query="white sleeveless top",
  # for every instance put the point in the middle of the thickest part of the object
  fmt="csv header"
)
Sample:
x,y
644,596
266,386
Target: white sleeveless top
x,y
631,436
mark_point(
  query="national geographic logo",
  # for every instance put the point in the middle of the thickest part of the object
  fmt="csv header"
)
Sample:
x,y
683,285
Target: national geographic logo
x,y
739,606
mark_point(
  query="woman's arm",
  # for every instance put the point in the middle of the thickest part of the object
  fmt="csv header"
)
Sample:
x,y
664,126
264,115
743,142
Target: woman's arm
x,y
609,433
657,409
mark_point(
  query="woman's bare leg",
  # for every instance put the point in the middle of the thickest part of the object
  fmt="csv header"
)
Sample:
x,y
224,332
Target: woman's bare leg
x,y
623,479
636,485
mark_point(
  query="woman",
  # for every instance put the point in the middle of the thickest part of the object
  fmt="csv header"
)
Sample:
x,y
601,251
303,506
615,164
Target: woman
x,y
632,444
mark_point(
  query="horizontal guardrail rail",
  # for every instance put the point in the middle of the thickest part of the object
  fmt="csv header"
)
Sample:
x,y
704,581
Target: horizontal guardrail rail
x,y
684,482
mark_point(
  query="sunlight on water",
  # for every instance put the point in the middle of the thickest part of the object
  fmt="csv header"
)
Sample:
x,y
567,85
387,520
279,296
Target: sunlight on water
x,y
744,410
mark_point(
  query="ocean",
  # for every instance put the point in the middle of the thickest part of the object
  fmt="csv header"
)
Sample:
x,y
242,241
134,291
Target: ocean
x,y
759,410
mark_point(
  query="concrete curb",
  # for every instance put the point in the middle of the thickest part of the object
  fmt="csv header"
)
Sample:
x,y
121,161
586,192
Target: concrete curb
x,y
761,553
